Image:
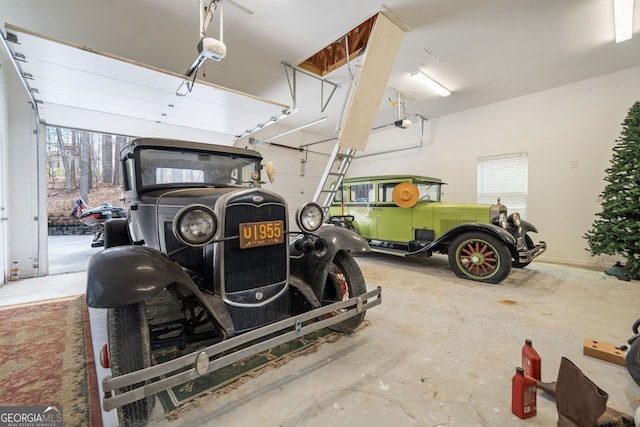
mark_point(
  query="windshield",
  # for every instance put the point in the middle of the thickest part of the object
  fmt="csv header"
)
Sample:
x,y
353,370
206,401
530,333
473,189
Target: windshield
x,y
428,192
179,168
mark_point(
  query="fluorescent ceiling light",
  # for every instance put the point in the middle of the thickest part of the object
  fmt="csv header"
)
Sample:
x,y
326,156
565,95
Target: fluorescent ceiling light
x,y
431,84
623,19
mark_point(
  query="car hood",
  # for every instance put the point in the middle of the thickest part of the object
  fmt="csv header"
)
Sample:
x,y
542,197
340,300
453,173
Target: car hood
x,y
187,196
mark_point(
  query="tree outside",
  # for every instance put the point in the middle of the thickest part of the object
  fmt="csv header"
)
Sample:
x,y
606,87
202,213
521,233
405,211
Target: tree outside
x,y
81,164
616,231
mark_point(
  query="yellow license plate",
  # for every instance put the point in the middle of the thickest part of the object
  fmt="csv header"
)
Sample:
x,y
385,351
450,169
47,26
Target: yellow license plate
x,y
254,234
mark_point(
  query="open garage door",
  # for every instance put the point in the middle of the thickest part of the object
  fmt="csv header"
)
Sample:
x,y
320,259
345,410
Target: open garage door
x,y
78,87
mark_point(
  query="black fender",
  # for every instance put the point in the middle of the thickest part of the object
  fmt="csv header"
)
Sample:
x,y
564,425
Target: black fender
x,y
312,267
124,275
443,242
343,238
520,234
527,227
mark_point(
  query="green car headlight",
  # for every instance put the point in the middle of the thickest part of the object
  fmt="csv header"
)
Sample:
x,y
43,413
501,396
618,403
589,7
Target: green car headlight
x,y
515,219
195,225
502,220
309,217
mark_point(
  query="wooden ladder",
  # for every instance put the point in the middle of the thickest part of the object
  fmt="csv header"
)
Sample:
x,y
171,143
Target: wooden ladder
x,y
331,178
363,104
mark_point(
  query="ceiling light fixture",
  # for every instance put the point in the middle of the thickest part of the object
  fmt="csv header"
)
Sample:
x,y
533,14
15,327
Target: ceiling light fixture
x,y
431,84
623,19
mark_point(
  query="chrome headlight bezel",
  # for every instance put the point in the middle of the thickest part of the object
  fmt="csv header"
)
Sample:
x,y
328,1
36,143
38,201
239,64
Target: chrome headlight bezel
x,y
498,215
502,220
195,216
515,219
309,217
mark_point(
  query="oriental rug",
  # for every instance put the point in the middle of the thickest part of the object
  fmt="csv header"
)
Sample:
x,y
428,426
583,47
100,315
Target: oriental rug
x,y
46,359
179,398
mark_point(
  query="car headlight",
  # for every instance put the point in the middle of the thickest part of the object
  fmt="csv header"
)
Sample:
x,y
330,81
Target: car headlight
x,y
195,225
498,214
309,217
514,219
502,220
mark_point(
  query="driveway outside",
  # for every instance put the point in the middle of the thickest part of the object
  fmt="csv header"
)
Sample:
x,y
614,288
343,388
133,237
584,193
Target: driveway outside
x,y
70,254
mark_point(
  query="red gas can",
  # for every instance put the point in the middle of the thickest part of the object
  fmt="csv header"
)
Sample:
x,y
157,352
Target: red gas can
x,y
531,361
523,395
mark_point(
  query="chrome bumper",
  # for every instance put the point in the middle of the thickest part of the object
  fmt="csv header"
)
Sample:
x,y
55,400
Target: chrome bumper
x,y
530,254
206,360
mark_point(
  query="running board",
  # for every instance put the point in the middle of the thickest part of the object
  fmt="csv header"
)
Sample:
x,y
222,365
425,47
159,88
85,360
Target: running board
x,y
208,360
387,251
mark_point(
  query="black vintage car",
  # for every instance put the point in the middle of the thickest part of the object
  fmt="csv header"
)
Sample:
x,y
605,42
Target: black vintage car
x,y
201,232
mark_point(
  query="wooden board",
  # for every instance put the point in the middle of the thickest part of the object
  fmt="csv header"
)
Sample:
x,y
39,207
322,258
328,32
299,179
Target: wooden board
x,y
604,351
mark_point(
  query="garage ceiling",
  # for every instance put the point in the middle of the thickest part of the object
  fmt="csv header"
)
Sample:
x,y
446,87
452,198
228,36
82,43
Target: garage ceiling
x,y
484,51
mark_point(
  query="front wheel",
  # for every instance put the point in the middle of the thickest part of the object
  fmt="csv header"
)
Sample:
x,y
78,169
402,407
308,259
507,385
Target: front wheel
x,y
481,257
632,357
129,351
344,281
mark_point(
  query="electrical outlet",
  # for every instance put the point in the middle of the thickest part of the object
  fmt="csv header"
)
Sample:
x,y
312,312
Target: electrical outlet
x,y
573,164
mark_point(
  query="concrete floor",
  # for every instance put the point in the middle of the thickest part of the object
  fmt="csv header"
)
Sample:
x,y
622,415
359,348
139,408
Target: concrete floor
x,y
439,351
70,254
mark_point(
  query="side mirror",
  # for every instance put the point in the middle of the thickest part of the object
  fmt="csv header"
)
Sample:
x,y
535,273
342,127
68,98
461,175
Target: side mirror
x,y
271,171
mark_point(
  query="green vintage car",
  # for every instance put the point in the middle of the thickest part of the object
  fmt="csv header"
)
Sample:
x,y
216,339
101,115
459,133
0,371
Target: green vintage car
x,y
404,215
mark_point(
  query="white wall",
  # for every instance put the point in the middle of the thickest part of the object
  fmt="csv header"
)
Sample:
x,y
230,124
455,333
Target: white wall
x,y
577,123
4,124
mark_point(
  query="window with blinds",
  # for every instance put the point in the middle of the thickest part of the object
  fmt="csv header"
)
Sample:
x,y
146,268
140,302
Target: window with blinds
x,y
504,177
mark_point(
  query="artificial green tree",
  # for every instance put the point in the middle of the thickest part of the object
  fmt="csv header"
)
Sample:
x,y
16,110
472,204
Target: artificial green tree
x,y
616,231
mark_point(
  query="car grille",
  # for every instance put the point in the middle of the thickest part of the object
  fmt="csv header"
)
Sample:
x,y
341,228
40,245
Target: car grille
x,y
257,267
